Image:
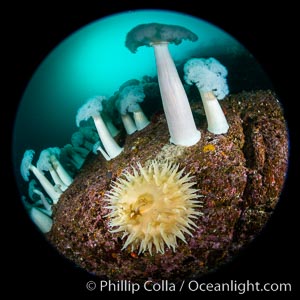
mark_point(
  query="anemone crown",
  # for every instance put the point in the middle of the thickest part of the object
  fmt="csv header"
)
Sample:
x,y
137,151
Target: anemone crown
x,y
153,206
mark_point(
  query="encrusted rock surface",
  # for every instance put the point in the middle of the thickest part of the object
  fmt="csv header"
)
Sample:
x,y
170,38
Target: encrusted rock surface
x,y
240,174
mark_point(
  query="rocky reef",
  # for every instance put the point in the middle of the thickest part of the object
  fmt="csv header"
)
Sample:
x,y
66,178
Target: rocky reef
x,y
240,174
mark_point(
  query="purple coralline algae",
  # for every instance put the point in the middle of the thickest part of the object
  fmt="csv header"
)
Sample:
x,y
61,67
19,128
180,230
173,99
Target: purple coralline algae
x,y
240,175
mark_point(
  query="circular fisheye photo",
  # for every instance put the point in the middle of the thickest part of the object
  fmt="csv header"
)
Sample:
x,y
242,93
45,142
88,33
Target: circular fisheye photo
x,y
150,144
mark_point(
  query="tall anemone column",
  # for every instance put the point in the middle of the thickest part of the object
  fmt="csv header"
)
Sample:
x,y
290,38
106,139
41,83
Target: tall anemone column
x,y
176,105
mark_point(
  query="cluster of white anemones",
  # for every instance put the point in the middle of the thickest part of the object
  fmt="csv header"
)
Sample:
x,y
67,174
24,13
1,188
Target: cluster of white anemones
x,y
153,206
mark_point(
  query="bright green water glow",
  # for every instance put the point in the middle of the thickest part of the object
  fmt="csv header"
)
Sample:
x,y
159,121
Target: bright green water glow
x,y
94,61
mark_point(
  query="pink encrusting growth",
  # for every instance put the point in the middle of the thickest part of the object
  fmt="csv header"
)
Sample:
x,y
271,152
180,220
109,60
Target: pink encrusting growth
x,y
175,102
92,109
27,167
209,75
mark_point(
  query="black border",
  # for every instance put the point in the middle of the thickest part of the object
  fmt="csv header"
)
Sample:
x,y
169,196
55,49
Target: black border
x,y
33,30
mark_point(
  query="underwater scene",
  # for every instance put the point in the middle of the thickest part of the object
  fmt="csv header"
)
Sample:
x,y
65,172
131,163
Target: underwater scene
x,y
150,144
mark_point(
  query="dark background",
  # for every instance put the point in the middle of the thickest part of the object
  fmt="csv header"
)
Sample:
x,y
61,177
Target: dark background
x,y
30,31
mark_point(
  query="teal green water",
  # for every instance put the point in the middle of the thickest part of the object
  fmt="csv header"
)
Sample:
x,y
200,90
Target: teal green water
x,y
94,61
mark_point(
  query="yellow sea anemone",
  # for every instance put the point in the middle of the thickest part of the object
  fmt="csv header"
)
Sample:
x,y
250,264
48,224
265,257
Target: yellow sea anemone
x,y
153,206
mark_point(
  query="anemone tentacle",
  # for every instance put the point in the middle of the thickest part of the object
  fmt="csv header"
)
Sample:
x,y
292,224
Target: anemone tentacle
x,y
153,206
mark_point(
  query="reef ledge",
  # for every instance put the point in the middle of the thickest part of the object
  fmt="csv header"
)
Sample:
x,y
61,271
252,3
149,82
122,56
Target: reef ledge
x,y
241,175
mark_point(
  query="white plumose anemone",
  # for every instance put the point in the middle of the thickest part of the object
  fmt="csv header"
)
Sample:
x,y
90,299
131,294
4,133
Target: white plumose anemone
x,y
153,206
